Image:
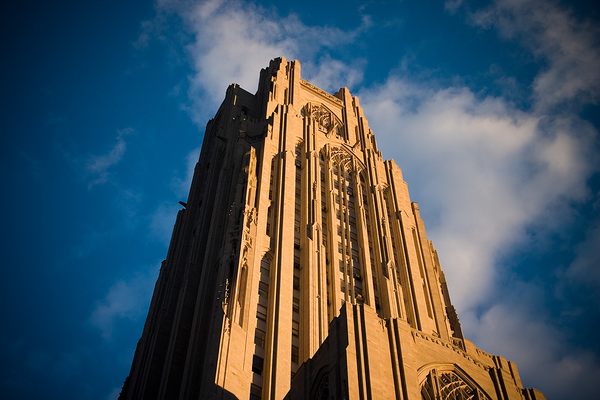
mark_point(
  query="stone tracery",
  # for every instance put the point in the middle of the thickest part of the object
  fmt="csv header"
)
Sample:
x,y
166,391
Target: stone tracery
x,y
327,121
450,385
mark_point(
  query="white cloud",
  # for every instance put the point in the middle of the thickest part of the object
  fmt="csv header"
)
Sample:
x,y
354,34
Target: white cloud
x,y
98,166
487,173
569,46
484,169
331,74
233,40
126,299
538,348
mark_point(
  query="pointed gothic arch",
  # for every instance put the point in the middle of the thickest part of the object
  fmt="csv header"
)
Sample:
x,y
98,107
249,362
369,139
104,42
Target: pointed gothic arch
x,y
449,382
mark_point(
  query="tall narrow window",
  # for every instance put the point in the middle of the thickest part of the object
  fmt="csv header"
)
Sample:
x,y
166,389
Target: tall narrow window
x,y
324,229
296,304
261,320
369,226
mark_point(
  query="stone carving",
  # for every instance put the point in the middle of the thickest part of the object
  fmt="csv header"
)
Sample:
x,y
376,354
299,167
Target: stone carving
x,y
247,240
251,215
327,121
448,385
342,158
225,301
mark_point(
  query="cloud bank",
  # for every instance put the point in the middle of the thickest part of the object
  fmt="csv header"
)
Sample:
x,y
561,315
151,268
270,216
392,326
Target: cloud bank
x,y
232,41
569,47
488,172
484,169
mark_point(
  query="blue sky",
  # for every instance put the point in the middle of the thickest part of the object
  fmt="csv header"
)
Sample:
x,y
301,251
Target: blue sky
x,y
490,108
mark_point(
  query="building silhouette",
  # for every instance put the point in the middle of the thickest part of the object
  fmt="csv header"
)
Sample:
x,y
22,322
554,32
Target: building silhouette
x,y
299,268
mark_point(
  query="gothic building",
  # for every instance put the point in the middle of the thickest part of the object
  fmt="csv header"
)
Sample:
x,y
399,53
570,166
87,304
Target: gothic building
x,y
299,268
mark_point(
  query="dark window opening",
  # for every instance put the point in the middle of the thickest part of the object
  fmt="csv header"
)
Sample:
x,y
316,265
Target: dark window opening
x,y
257,365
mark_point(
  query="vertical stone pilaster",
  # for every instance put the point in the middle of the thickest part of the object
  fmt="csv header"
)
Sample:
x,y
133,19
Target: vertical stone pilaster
x,y
439,313
277,364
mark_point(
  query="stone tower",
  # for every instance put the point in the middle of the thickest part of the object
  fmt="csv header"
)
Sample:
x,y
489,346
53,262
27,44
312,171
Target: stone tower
x,y
299,268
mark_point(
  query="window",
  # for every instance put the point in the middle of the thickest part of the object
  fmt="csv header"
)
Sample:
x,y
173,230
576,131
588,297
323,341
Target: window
x,y
261,312
449,385
257,365
259,338
263,288
255,392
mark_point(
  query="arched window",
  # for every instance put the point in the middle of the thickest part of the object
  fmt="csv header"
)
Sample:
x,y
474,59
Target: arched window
x,y
450,384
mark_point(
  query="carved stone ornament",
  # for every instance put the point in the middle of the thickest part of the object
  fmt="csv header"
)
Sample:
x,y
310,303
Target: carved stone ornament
x,y
450,385
327,121
342,158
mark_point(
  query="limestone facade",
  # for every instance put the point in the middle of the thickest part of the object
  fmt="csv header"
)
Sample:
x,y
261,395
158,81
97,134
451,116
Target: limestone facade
x,y
299,268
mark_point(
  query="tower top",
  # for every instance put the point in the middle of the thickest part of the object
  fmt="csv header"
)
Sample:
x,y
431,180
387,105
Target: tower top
x,y
300,268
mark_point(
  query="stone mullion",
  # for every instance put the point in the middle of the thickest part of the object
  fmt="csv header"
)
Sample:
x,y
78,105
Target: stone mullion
x,y
383,281
277,362
353,184
263,245
432,282
411,274
273,274
393,235
320,300
363,238
371,184
397,292
305,274
404,270
342,204
240,298
416,262
435,380
321,264
391,281
343,228
309,303
348,276
309,310
334,262
400,272
245,250
351,188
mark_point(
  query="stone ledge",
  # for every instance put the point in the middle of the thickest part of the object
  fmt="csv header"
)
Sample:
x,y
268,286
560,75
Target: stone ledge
x,y
321,92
